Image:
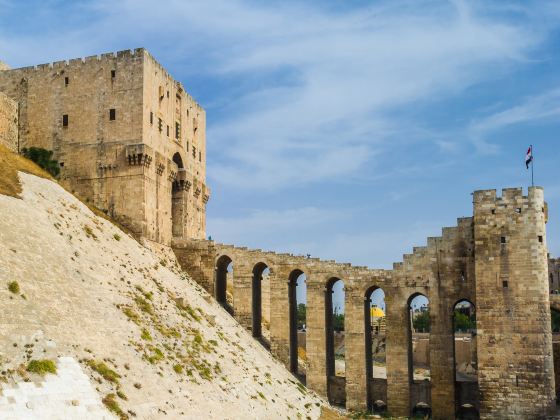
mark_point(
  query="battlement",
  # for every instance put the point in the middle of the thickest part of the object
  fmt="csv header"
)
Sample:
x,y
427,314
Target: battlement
x,y
74,62
509,195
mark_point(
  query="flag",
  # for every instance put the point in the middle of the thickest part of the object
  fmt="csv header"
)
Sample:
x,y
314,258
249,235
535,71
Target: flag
x,y
529,157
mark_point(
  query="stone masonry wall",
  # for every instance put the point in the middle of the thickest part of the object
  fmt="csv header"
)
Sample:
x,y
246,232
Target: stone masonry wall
x,y
8,123
514,342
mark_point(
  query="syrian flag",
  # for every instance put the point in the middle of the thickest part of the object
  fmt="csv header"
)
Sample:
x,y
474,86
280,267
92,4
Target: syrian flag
x,y
529,157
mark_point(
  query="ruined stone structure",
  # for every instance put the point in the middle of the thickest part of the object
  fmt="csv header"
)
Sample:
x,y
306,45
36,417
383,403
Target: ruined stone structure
x,y
497,260
128,138
8,122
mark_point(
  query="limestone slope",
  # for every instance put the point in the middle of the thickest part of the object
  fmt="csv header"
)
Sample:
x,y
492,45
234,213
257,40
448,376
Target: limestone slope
x,y
140,328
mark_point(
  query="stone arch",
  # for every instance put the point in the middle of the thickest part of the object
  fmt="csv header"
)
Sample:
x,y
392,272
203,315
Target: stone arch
x,y
178,160
178,201
376,388
224,265
336,384
256,301
467,400
420,386
292,299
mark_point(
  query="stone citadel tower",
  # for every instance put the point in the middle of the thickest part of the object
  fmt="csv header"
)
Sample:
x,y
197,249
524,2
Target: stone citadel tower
x,y
127,136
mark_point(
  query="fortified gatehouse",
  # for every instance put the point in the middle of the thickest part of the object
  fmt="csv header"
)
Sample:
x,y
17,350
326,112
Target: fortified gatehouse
x,y
127,136
496,260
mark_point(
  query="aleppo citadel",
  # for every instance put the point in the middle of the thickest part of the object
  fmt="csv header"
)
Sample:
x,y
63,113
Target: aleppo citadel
x,y
131,141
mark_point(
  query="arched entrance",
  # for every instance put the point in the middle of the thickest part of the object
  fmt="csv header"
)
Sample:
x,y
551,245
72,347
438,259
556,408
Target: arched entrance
x,y
224,283
178,201
335,342
467,401
418,314
297,297
260,275
376,367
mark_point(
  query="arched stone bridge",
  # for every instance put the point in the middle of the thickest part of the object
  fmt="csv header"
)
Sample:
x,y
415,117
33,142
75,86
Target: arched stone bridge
x,y
497,260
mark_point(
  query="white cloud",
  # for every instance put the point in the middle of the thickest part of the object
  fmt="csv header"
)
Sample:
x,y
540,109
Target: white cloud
x,y
327,81
268,228
544,106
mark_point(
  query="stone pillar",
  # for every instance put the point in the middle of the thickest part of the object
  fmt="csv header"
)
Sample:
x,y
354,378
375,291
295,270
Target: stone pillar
x,y
355,349
279,314
316,339
242,294
397,336
442,359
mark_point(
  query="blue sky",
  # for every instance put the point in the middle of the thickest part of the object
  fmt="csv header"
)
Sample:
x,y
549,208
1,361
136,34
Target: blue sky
x,y
348,130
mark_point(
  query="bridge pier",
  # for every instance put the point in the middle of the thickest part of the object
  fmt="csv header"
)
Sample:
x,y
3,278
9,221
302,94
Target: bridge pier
x,y
354,325
279,307
316,338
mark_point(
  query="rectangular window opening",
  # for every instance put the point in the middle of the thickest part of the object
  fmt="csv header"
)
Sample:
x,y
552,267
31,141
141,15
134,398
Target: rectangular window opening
x,y
505,284
540,239
113,74
160,125
177,130
65,120
151,118
199,156
66,81
167,131
503,240
112,114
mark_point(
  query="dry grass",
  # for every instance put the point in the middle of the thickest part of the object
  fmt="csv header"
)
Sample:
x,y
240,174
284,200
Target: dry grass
x,y
11,163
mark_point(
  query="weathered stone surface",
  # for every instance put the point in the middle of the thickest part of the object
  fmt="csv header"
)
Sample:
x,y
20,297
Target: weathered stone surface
x,y
8,122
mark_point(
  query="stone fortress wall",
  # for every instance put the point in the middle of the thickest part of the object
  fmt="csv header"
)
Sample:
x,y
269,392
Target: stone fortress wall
x,y
128,138
8,123
496,259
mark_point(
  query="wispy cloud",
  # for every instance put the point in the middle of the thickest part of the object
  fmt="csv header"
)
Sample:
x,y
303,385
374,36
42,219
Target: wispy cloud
x,y
317,92
541,107
317,86
269,228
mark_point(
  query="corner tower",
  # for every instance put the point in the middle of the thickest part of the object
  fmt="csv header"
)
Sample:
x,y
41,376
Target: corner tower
x,y
514,343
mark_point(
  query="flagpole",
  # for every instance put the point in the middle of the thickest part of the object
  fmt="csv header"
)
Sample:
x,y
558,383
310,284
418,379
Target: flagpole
x,y
532,164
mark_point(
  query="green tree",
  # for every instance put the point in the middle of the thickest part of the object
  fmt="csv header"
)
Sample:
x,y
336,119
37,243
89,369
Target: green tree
x,y
43,158
463,322
421,321
301,314
338,321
